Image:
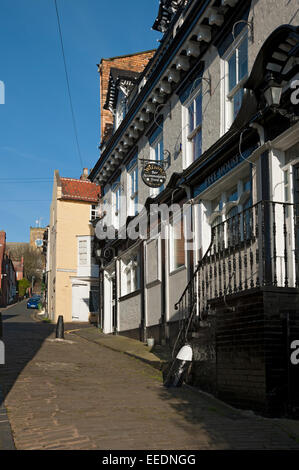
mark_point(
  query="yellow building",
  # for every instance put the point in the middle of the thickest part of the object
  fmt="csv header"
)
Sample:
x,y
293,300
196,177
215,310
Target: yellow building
x,y
72,273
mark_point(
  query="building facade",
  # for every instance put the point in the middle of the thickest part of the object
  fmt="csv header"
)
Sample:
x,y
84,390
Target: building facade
x,y
8,279
71,272
205,249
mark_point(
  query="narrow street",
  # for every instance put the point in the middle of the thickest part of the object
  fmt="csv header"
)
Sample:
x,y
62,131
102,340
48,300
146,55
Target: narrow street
x,y
79,395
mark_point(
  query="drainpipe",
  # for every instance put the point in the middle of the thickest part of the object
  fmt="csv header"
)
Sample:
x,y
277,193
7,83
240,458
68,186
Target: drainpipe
x,y
190,256
142,282
261,131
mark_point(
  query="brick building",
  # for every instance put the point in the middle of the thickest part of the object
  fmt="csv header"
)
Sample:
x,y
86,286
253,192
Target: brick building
x,y
131,62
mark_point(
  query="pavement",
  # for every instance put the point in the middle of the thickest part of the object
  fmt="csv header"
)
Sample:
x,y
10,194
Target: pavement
x,y
96,392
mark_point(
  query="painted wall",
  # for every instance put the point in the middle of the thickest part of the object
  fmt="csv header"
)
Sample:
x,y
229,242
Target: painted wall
x,y
68,219
129,313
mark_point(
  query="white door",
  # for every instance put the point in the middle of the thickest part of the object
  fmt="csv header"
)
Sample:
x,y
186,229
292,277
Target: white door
x,y
80,303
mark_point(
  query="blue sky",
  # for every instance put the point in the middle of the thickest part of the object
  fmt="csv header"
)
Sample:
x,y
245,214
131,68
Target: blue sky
x,y
36,132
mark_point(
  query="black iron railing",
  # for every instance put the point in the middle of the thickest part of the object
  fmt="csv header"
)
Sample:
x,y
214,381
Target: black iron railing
x,y
256,247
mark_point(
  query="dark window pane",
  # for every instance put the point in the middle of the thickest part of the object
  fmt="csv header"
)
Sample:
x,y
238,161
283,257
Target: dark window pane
x,y
232,72
243,59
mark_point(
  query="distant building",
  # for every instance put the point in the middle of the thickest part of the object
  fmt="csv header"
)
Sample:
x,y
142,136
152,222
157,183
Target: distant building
x,y
36,237
72,272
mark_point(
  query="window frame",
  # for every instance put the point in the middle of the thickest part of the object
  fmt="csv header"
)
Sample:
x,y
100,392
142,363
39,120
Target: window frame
x,y
227,100
133,190
157,143
130,267
94,211
225,208
189,136
177,218
116,204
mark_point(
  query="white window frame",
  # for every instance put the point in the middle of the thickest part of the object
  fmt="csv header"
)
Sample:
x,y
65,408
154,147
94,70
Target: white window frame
x,y
155,151
133,191
116,205
227,103
94,211
129,269
188,155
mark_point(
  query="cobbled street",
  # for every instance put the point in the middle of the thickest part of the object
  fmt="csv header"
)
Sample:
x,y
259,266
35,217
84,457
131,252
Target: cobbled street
x,y
79,395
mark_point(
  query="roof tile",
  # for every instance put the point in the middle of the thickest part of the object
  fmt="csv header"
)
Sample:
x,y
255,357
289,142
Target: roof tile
x,y
80,190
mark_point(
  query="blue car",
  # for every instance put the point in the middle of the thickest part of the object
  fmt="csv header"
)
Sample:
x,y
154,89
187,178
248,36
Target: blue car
x,y
33,302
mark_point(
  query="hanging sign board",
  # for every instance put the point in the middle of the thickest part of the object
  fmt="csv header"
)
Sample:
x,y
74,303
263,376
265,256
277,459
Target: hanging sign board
x,y
153,175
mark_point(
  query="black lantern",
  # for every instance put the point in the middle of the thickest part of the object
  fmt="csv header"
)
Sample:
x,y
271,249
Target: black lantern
x,y
272,92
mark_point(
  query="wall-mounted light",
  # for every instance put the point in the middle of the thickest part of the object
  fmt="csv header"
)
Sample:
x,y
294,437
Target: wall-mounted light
x,y
272,92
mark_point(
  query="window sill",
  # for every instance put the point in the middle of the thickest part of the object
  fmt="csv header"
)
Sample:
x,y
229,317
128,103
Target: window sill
x,y
177,270
129,296
155,283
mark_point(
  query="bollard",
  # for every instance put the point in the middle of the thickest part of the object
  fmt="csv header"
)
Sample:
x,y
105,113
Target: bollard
x,y
60,328
179,367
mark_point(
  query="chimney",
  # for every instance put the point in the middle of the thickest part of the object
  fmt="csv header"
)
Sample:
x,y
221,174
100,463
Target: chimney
x,y
85,174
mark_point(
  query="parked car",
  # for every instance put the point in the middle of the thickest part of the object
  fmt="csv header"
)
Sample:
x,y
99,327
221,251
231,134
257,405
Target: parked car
x,y
33,302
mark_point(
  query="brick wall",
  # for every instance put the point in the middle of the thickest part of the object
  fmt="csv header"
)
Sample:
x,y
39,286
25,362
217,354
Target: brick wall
x,y
253,336
134,62
239,351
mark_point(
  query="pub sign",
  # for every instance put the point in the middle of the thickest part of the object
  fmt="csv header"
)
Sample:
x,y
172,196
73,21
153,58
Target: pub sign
x,y
153,175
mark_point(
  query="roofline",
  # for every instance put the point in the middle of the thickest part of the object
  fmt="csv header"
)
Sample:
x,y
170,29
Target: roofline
x,y
62,178
127,55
